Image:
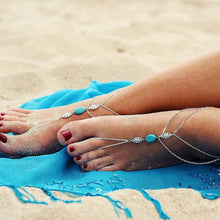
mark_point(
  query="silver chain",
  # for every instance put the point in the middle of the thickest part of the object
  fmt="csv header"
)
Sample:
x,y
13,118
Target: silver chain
x,y
66,115
92,107
96,106
167,135
217,158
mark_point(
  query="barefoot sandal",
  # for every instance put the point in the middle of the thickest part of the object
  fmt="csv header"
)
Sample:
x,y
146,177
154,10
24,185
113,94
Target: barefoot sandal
x,y
90,107
79,111
151,138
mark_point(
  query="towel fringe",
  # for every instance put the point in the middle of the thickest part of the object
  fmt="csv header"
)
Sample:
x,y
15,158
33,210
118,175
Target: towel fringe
x,y
54,198
25,196
117,204
211,196
156,203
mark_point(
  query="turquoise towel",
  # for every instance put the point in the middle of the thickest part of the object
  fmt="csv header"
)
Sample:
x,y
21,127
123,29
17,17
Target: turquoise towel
x,y
58,172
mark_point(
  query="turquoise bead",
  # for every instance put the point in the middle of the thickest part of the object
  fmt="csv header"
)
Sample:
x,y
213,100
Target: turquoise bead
x,y
150,138
79,110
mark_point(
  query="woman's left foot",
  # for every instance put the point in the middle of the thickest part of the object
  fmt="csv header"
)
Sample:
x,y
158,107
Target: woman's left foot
x,y
36,130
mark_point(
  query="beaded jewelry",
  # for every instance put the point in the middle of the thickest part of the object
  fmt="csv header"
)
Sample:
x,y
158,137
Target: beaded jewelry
x,y
151,138
77,111
90,106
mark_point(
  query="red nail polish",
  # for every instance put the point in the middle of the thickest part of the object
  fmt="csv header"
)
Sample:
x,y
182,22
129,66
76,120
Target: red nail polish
x,y
71,148
1,124
78,157
85,165
1,118
66,134
2,113
3,138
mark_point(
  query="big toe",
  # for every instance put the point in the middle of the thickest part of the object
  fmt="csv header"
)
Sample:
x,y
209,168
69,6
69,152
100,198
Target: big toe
x,y
12,145
77,130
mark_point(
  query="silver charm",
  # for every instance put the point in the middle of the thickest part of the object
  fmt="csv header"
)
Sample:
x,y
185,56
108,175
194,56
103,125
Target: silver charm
x,y
67,115
93,107
166,135
137,140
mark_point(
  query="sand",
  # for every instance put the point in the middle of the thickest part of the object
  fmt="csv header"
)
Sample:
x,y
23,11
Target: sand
x,y
50,45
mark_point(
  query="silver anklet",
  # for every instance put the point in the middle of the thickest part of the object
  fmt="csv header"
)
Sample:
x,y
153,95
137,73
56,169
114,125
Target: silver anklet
x,y
77,111
90,106
151,138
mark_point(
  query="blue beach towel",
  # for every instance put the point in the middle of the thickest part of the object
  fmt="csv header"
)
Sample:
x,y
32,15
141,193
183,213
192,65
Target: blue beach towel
x,y
57,172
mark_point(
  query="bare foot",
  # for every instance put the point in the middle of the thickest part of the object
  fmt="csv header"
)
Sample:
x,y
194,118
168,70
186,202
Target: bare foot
x,y
89,152
33,134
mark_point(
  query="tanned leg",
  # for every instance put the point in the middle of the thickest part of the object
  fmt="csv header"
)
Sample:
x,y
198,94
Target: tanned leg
x,y
192,84
90,152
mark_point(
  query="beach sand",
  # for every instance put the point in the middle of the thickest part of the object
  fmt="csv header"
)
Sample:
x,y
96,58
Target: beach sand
x,y
47,45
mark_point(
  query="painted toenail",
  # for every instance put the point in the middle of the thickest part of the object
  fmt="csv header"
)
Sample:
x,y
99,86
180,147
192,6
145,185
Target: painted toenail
x,y
2,113
66,134
3,138
71,148
1,118
1,124
78,157
85,165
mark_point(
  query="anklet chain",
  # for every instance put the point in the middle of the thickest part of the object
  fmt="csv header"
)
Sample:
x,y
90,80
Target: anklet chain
x,y
78,111
90,106
151,138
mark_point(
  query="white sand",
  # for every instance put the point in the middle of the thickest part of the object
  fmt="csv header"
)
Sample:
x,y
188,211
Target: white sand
x,y
50,45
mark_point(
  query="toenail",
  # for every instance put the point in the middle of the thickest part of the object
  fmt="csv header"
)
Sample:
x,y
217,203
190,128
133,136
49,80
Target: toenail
x,y
85,165
78,157
71,148
1,118
3,138
66,134
2,113
1,124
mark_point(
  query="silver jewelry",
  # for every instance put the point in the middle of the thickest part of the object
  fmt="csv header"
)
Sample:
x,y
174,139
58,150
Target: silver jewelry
x,y
151,138
77,111
90,107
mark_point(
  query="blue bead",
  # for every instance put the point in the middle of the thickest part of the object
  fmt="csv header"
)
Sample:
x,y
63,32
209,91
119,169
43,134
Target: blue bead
x,y
150,138
79,110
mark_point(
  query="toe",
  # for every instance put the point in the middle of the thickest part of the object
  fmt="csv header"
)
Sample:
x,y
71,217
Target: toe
x,y
84,146
77,131
97,164
91,155
5,147
19,145
14,113
16,127
21,110
12,118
